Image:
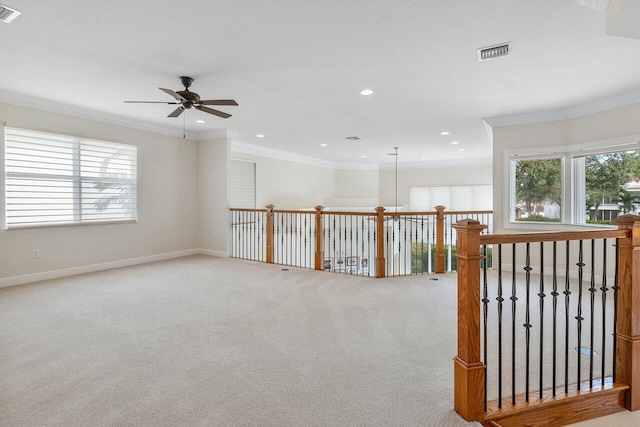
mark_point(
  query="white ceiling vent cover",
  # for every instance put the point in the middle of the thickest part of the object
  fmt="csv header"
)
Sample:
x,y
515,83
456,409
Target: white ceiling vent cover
x,y
491,52
7,14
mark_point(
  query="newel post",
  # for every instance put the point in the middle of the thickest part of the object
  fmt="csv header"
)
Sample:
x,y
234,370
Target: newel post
x,y
628,319
440,239
469,371
380,261
319,261
270,228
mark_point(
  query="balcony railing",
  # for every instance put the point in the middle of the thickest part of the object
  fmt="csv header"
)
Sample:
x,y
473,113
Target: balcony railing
x,y
372,244
549,336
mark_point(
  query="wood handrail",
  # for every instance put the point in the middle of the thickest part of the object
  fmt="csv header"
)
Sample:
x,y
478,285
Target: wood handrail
x,y
294,211
349,213
467,212
247,210
361,213
551,236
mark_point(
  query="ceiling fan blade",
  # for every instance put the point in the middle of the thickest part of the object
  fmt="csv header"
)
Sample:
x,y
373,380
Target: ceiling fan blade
x,y
150,102
173,93
212,111
177,112
218,102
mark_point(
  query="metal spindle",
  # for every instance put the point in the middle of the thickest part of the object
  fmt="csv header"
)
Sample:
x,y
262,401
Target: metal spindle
x,y
555,294
527,323
592,300
541,295
579,317
513,299
604,290
500,300
566,293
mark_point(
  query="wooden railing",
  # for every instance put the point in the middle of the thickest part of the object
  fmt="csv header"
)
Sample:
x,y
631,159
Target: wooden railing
x,y
570,298
373,244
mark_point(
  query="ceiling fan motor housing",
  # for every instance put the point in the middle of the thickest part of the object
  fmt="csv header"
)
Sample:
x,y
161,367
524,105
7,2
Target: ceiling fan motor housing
x,y
192,97
186,81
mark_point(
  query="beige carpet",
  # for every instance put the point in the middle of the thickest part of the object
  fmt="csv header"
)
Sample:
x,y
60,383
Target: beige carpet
x,y
210,341
203,341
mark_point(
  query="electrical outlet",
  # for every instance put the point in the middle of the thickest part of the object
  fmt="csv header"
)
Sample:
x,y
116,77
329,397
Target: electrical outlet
x,y
35,253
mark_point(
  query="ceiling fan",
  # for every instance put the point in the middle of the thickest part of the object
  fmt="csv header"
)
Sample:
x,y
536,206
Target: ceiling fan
x,y
187,99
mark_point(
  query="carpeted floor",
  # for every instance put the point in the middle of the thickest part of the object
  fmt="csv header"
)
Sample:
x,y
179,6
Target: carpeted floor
x,y
203,341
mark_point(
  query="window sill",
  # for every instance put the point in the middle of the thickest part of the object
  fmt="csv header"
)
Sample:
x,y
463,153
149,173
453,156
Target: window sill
x,y
73,224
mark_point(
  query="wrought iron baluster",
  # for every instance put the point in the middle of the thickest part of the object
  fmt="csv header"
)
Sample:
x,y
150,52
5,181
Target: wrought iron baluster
x,y
541,295
579,317
592,300
527,324
555,294
604,290
566,293
513,299
500,300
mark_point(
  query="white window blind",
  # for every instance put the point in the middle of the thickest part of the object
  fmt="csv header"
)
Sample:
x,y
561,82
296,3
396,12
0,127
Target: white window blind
x,y
242,192
53,179
454,198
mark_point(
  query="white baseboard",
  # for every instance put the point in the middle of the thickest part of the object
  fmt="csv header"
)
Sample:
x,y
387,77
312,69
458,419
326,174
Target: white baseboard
x,y
211,252
55,274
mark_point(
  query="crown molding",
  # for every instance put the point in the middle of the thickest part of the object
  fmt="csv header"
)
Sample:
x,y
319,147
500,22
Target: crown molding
x,y
216,134
435,164
54,107
610,103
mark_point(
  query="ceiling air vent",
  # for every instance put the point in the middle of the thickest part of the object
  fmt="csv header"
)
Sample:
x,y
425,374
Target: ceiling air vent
x,y
7,14
490,52
353,138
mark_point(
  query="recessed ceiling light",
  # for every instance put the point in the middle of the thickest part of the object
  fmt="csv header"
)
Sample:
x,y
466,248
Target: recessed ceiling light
x,y
445,132
323,145
363,157
460,149
421,158
260,135
200,121
454,142
366,92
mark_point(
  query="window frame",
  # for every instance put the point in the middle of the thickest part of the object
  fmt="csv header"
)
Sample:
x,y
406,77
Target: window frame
x,y
573,192
75,178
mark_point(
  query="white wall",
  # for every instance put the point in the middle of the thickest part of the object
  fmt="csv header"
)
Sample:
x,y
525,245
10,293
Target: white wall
x,y
361,183
213,208
289,185
167,203
429,177
608,125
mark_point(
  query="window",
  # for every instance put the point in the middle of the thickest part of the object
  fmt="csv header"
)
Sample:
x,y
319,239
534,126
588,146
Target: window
x,y
538,190
454,198
585,185
608,185
53,179
242,189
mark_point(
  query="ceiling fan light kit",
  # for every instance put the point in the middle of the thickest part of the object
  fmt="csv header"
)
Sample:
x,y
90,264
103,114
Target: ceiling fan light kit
x,y
187,99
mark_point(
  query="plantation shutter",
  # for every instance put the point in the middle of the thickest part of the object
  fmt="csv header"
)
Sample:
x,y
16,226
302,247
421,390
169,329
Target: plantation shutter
x,y
454,198
242,192
53,179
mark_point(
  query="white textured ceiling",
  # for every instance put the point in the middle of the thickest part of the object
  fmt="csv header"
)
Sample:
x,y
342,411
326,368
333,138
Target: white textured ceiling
x,y
296,67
